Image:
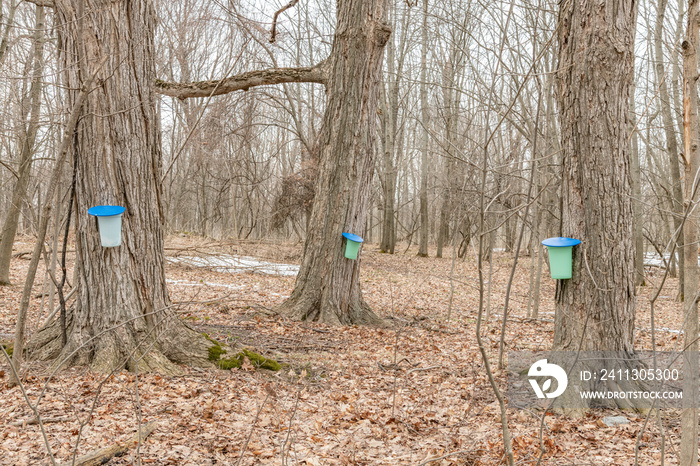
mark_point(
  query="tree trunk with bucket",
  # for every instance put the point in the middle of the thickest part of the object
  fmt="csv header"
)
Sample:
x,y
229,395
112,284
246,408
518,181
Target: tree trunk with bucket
x,y
595,309
328,285
122,316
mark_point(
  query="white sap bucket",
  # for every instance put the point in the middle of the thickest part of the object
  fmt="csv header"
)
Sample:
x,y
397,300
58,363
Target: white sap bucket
x,y
109,220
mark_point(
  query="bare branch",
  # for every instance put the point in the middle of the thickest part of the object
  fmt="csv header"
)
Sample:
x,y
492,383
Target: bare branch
x,y
46,3
242,82
104,455
273,31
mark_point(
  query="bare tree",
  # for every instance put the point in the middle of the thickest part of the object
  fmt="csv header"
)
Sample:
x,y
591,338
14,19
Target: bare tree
x,y
392,137
31,108
662,78
424,221
691,129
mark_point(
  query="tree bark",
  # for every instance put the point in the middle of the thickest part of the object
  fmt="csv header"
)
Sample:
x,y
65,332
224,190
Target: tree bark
x,y
671,142
637,207
389,126
327,288
595,310
121,317
596,69
689,414
424,227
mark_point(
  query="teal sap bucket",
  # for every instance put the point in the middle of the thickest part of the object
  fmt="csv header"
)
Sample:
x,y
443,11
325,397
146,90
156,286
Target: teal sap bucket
x,y
560,256
352,245
109,220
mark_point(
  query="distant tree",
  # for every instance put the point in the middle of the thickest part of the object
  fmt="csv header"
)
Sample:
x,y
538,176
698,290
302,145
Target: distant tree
x,y
30,108
424,220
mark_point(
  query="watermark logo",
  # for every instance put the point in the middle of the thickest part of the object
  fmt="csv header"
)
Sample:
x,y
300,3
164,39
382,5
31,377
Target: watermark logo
x,y
542,368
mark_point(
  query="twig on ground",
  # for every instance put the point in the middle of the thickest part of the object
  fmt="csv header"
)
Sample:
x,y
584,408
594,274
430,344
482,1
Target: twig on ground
x,y
35,420
103,455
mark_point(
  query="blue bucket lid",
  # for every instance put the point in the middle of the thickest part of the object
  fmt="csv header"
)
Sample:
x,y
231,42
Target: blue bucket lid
x,y
560,242
106,210
352,237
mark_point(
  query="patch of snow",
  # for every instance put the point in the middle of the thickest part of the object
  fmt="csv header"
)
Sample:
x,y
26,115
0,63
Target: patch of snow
x,y
222,285
612,421
236,264
652,258
662,329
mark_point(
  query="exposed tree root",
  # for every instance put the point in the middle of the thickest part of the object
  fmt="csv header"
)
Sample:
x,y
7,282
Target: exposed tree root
x,y
128,346
327,311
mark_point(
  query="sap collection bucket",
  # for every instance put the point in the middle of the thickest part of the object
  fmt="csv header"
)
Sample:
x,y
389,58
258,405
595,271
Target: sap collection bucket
x,y
560,257
352,245
109,220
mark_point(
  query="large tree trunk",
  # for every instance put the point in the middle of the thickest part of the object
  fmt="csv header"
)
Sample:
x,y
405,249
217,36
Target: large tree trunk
x,y
27,139
595,68
328,285
595,310
121,317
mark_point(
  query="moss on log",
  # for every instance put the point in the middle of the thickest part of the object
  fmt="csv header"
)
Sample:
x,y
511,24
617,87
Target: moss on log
x,y
216,353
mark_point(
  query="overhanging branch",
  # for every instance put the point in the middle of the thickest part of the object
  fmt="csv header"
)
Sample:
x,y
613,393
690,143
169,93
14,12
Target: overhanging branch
x,y
46,3
242,82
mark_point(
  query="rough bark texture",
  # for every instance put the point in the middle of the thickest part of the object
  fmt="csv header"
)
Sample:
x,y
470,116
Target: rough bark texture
x,y
328,287
689,415
596,59
121,316
595,310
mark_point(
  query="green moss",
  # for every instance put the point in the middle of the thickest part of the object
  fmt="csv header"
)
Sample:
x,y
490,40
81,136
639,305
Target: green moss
x,y
257,360
260,361
231,363
216,351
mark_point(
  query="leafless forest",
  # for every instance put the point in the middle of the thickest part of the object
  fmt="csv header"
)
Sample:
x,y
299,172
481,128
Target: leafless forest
x,y
232,326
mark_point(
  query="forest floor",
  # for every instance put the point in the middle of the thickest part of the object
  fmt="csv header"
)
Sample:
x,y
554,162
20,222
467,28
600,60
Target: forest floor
x,y
414,392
